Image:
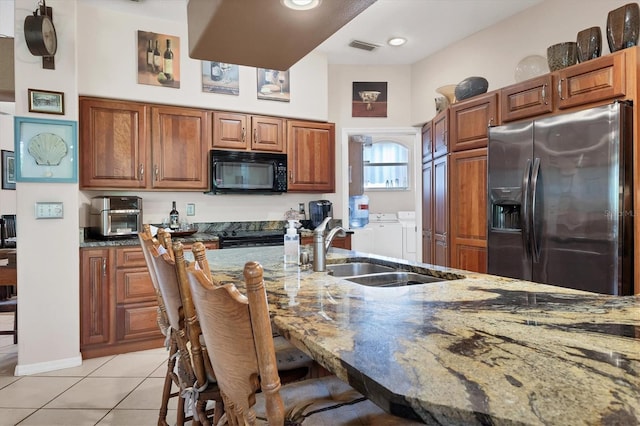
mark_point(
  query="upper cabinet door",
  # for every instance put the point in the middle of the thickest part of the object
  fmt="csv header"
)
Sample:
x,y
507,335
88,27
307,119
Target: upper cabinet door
x,y
229,130
268,134
181,143
441,134
592,81
427,142
527,99
311,156
470,120
113,144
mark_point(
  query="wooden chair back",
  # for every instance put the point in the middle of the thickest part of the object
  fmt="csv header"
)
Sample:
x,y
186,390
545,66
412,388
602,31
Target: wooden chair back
x,y
237,332
201,363
164,237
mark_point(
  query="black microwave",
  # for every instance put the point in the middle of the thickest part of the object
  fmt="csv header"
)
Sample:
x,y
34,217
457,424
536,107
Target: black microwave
x,y
243,172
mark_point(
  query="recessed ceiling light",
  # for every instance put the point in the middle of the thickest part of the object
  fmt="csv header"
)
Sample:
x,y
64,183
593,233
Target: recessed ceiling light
x,y
396,41
301,4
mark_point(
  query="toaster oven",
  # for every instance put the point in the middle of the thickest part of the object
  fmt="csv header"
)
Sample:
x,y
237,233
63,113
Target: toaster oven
x,y
115,216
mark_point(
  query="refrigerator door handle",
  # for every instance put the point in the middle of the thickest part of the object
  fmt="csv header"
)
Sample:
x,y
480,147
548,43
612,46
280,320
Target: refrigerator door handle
x,y
534,186
524,219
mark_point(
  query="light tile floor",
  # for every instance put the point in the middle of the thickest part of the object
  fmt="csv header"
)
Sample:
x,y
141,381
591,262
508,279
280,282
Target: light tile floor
x,y
112,390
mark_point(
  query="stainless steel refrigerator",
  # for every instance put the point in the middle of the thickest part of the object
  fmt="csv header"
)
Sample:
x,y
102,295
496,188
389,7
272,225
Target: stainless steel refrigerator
x,y
560,200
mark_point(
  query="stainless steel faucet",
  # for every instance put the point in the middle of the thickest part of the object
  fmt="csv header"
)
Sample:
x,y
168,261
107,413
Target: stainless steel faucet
x,y
321,243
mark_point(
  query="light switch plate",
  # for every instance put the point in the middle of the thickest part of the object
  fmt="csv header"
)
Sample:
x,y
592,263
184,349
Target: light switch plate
x,y
191,209
49,210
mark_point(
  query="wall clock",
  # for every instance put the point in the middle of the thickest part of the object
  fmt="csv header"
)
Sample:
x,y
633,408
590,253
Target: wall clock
x,y
40,35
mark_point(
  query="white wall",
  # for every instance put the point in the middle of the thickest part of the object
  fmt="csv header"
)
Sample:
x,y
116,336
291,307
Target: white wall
x,y
48,265
495,52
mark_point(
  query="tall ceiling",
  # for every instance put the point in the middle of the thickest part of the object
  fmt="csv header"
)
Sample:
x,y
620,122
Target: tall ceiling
x,y
428,25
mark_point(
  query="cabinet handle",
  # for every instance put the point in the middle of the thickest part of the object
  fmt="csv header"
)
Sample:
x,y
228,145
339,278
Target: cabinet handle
x,y
350,180
490,122
255,135
544,94
244,134
290,176
104,267
560,89
141,171
156,171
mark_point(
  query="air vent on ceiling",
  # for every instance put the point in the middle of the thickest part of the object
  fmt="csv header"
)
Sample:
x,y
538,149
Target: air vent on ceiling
x,y
363,45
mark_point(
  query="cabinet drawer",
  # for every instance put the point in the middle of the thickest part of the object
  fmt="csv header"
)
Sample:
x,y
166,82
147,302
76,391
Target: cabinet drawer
x,y
134,285
130,257
137,321
527,99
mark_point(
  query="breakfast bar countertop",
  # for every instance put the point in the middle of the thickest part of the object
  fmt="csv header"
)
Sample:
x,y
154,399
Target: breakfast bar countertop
x,y
477,350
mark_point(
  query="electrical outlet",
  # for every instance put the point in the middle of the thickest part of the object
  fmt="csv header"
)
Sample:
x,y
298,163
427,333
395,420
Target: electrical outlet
x,y
191,209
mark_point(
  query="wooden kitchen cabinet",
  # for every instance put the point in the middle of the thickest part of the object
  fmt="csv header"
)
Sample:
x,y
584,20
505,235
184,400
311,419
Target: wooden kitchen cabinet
x,y
441,134
181,140
427,142
434,192
248,132
113,144
595,80
468,210
427,212
339,242
129,145
527,99
118,308
95,297
440,211
311,156
470,120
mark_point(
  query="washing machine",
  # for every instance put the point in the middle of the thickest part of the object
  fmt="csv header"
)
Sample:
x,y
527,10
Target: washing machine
x,y
407,220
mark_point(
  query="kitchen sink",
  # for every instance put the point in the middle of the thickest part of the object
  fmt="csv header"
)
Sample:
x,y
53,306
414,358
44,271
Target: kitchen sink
x,y
393,279
356,268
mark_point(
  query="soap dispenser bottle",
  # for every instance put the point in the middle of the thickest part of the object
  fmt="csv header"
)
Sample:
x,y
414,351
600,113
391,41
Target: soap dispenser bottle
x,y
291,244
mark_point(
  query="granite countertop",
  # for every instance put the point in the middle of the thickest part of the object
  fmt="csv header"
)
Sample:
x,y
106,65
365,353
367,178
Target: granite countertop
x,y
134,241
476,350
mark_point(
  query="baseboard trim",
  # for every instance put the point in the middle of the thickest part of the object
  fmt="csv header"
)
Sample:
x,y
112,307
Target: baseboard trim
x,y
43,367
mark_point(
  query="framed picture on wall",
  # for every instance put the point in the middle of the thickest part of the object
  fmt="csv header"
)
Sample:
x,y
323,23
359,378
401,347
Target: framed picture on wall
x,y
45,150
46,101
369,99
8,170
220,77
273,85
158,59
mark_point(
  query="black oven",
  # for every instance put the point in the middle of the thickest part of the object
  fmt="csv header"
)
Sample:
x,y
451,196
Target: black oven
x,y
242,172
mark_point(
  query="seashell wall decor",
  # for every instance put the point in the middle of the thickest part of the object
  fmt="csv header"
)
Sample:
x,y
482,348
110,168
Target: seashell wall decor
x,y
47,149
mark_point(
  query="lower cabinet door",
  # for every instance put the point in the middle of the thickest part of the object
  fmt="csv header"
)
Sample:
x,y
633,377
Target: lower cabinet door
x,y
137,321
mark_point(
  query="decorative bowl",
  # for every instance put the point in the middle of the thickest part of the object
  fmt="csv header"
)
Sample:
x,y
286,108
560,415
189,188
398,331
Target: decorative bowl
x,y
531,66
470,87
369,96
589,44
562,55
448,92
623,26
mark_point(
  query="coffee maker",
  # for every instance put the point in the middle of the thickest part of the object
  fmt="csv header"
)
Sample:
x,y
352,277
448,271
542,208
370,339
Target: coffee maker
x,y
319,210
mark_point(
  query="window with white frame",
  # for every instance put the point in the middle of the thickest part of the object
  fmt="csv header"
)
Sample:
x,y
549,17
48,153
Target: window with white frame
x,y
386,166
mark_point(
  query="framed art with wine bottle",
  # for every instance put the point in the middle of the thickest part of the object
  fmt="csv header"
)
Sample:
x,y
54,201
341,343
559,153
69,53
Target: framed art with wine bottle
x,y
220,77
273,85
158,59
